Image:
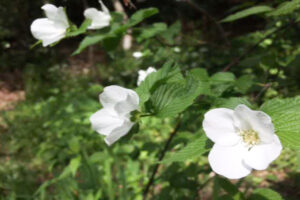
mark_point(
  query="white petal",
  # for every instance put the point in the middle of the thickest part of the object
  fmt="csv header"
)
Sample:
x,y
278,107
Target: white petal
x,y
120,99
151,70
118,132
218,126
47,31
260,156
105,121
103,7
57,15
228,161
99,19
144,73
255,120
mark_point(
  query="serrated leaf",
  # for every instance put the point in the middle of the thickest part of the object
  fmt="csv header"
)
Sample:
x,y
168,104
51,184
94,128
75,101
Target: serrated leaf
x,y
285,8
265,194
140,15
202,77
173,98
285,114
168,73
247,12
195,148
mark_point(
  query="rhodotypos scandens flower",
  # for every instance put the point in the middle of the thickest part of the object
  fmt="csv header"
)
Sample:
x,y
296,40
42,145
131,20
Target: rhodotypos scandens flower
x,y
53,28
144,73
99,18
244,140
113,120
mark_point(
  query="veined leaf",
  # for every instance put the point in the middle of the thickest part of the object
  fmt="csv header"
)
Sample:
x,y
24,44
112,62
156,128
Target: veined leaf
x,y
285,114
173,98
195,148
247,12
168,73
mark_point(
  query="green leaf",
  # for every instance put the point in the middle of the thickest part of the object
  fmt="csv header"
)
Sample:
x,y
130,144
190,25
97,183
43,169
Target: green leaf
x,y
195,148
220,82
168,73
247,12
115,33
82,29
265,194
230,188
244,83
151,31
140,15
201,76
285,8
231,102
173,98
285,114
88,41
171,32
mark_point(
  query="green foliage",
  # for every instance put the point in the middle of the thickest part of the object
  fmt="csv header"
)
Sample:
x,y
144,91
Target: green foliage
x,y
285,114
247,12
195,148
285,8
265,194
113,36
141,15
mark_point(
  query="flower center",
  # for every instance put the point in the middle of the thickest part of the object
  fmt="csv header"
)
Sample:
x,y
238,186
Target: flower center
x,y
250,137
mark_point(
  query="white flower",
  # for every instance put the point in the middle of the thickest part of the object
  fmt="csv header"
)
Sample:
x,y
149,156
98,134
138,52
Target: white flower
x,y
50,29
244,140
137,54
144,73
113,120
99,18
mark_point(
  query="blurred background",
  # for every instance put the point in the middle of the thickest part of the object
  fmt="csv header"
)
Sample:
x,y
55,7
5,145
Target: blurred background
x,y
48,149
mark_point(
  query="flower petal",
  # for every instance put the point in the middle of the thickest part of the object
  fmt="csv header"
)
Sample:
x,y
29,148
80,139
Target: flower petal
x,y
120,99
57,15
99,19
218,126
228,161
255,120
118,132
47,31
105,121
260,156
144,73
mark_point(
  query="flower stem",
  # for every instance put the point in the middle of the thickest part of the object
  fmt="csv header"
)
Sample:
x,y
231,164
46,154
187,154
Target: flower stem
x,y
160,158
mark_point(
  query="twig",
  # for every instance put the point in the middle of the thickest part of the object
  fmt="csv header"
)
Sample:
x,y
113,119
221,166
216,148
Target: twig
x,y
266,86
251,48
219,27
162,154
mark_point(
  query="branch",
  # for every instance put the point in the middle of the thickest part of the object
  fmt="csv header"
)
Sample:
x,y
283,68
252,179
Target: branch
x,y
162,155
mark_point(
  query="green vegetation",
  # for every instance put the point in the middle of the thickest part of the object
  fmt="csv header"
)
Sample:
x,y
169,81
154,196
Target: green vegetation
x,y
247,54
